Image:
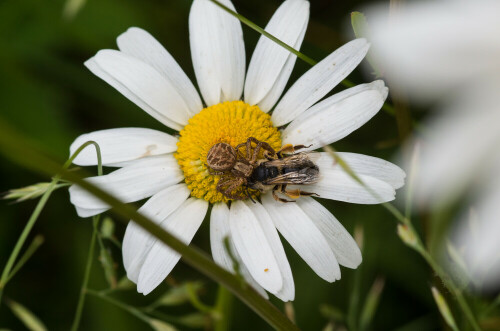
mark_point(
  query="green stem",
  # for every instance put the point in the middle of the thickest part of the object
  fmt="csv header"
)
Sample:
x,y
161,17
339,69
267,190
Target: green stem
x,y
34,216
24,235
223,307
418,246
263,32
347,83
30,158
90,256
86,276
35,244
132,310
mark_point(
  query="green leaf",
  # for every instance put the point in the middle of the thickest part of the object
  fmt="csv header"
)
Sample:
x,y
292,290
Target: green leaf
x,y
359,25
360,28
31,322
194,320
108,265
371,303
125,284
444,309
332,313
178,295
161,326
107,228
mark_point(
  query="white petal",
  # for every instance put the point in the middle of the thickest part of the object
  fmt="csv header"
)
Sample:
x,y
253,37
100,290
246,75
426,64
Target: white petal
x,y
337,116
459,146
92,65
183,224
304,236
476,234
144,83
253,247
427,49
219,230
140,180
123,144
83,212
319,80
341,242
364,165
268,64
338,185
143,46
287,292
217,51
137,242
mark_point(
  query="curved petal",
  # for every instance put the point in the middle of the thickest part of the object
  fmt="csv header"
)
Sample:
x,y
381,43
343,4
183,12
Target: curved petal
x,y
84,212
217,51
140,180
304,236
182,223
287,292
144,83
271,64
338,185
137,242
143,46
253,247
219,230
341,242
337,116
92,65
365,165
123,144
319,80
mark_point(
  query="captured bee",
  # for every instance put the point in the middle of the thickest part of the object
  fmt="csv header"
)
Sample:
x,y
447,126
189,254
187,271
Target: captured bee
x,y
273,172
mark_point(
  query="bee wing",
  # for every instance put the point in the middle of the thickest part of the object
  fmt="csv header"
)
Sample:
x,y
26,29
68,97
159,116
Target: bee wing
x,y
303,176
291,161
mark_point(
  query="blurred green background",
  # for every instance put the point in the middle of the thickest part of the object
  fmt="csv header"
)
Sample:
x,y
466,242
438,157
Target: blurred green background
x,y
47,94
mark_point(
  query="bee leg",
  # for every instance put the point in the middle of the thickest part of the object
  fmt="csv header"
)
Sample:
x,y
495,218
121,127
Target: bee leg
x,y
295,194
290,149
276,197
216,173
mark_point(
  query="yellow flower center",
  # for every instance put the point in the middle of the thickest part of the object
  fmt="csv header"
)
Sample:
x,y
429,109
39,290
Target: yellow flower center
x,y
229,122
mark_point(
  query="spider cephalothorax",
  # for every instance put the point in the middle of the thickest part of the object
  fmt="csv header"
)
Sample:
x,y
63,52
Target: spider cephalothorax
x,y
273,171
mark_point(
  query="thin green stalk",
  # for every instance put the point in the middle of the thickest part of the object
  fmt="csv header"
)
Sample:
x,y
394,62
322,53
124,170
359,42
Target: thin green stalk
x,y
347,83
223,307
132,310
35,244
86,276
90,256
263,32
196,302
33,218
30,158
417,245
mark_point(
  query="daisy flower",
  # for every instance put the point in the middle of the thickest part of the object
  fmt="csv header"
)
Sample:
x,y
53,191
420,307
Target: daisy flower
x,y
450,50
172,170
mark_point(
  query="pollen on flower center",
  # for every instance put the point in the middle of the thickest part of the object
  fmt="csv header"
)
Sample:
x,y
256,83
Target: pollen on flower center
x,y
229,122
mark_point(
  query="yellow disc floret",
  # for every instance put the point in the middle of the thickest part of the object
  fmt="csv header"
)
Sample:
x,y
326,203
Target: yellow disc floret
x,y
229,122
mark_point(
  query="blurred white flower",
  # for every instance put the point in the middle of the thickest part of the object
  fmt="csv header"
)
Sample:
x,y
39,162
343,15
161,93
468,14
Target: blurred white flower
x,y
451,50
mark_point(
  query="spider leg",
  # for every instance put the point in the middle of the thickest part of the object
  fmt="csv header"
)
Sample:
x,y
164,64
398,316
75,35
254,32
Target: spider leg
x,y
234,184
260,145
